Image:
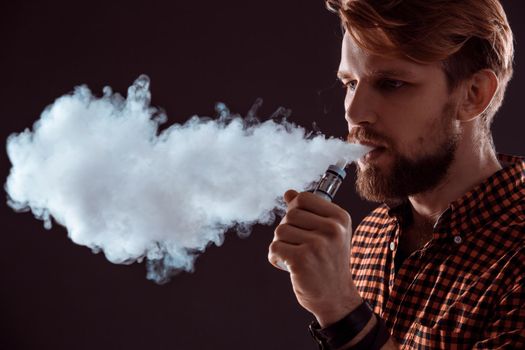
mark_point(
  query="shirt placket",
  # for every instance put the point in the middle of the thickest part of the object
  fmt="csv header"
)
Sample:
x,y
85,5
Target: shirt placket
x,y
409,273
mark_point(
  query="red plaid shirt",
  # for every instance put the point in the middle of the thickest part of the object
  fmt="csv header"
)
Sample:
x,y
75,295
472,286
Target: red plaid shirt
x,y
466,287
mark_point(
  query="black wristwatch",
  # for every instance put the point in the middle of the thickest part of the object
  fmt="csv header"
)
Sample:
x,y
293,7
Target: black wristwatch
x,y
343,331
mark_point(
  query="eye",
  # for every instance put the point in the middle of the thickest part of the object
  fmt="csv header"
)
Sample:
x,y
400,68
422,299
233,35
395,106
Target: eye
x,y
390,84
350,85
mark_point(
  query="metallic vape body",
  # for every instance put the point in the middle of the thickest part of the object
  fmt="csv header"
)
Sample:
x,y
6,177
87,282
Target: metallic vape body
x,y
331,181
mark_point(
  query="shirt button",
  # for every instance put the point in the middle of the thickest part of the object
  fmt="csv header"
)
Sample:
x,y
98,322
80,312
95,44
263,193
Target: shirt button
x,y
458,239
392,246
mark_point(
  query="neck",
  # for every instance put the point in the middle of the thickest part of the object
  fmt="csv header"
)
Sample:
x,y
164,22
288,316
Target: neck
x,y
475,160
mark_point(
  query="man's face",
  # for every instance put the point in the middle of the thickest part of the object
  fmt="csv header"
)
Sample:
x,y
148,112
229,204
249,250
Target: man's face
x,y
406,112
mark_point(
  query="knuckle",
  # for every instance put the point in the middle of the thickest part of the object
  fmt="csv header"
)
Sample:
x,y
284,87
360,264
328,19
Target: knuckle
x,y
317,242
293,214
302,199
272,253
334,231
280,231
333,227
345,218
272,249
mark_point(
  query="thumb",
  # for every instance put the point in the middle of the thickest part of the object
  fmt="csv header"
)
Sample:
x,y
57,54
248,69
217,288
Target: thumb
x,y
290,195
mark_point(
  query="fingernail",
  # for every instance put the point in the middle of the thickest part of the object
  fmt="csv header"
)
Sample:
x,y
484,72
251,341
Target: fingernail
x,y
282,265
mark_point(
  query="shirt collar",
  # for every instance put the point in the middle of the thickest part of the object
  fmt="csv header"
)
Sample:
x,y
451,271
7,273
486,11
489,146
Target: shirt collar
x,y
479,205
490,198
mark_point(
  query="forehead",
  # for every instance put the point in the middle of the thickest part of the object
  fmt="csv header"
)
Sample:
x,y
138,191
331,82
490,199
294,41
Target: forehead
x,y
356,61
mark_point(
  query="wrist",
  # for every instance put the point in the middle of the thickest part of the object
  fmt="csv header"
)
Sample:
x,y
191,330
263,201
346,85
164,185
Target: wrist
x,y
361,329
329,317
344,330
347,304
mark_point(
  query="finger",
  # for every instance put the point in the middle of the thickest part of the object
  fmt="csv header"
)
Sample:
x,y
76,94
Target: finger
x,y
310,223
290,195
292,235
280,252
283,265
315,204
303,219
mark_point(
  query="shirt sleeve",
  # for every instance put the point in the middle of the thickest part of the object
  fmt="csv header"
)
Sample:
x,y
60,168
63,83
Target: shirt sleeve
x,y
507,328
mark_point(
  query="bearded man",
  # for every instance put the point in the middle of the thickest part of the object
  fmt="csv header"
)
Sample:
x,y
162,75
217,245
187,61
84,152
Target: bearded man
x,y
440,262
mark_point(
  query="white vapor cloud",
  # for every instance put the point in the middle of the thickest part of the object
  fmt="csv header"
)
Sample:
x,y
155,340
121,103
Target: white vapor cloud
x,y
101,168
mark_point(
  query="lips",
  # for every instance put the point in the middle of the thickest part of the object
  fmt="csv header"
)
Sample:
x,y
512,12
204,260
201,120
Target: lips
x,y
368,138
371,144
376,150
373,154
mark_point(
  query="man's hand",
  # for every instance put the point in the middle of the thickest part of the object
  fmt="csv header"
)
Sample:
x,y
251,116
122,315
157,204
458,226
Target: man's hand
x,y
313,240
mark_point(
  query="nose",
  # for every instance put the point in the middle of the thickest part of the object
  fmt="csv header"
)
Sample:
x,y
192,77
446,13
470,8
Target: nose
x,y
359,106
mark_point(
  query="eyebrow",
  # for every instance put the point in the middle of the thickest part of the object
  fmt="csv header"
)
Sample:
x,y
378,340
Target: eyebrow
x,y
379,73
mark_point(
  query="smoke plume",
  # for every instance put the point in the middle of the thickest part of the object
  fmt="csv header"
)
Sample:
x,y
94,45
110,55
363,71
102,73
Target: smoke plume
x,y
100,167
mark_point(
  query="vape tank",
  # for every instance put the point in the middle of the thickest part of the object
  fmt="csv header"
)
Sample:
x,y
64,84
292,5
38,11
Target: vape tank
x,y
331,181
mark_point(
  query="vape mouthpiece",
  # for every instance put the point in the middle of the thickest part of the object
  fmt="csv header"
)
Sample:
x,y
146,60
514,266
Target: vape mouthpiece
x,y
331,181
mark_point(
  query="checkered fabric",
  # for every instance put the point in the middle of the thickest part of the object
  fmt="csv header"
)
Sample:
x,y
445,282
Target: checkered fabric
x,y
465,289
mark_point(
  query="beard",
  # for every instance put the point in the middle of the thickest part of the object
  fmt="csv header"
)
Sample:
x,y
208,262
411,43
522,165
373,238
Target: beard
x,y
408,176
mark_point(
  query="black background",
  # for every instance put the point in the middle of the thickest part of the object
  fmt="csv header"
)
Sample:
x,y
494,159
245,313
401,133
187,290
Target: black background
x,y
57,295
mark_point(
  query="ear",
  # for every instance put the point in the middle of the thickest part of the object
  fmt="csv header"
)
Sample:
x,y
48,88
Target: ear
x,y
479,90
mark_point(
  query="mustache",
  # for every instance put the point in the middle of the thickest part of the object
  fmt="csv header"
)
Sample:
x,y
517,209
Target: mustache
x,y
364,135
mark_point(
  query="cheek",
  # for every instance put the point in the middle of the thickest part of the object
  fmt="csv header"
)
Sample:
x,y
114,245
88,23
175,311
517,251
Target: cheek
x,y
404,132
410,137
415,122
428,138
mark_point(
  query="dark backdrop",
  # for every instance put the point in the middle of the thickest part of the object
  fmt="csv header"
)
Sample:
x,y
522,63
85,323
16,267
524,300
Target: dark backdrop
x,y
57,295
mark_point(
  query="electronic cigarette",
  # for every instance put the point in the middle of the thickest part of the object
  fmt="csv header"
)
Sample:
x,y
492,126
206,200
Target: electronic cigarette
x,y
326,188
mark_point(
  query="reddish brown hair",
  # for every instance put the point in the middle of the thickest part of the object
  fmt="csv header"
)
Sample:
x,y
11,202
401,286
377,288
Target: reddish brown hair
x,y
465,36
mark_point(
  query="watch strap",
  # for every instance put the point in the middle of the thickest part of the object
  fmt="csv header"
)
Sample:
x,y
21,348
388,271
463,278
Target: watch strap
x,y
341,332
